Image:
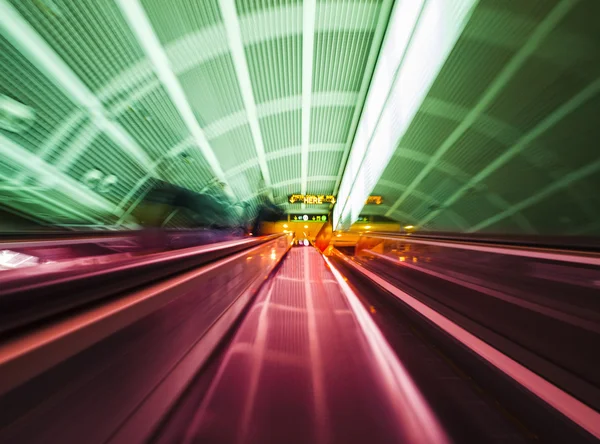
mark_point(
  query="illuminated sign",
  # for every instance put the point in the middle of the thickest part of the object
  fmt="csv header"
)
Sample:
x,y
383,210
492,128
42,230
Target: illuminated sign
x,y
312,199
377,200
308,218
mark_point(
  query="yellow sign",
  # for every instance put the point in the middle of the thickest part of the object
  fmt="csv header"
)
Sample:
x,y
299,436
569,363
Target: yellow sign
x,y
312,199
377,200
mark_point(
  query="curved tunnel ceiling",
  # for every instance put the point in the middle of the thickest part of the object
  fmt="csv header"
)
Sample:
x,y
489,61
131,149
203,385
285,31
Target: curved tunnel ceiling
x,y
272,94
254,94
506,138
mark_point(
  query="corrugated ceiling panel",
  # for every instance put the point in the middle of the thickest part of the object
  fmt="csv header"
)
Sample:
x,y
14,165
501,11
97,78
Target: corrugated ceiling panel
x,y
281,130
330,124
21,81
438,186
324,163
284,169
286,190
242,184
275,68
154,123
427,132
524,180
234,147
474,207
401,171
91,37
320,186
473,151
212,89
189,170
174,19
245,7
340,59
107,158
573,142
538,90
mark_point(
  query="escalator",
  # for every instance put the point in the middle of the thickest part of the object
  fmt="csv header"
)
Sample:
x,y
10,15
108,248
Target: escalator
x,y
266,343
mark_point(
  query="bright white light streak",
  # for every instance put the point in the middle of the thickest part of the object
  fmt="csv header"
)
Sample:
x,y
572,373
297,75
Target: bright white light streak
x,y
308,39
136,16
415,415
234,36
403,21
420,37
21,34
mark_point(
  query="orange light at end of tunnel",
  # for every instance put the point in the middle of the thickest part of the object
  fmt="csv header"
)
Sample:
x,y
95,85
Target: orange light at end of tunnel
x,y
285,225
339,235
368,227
305,226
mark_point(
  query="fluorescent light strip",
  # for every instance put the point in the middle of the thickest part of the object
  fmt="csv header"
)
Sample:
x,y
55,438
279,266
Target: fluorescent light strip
x,y
404,19
34,47
432,30
493,91
136,16
572,408
308,45
236,45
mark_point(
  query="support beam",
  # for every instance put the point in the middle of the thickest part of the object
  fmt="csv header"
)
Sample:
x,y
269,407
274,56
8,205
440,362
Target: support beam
x,y
236,45
24,37
139,23
308,45
510,69
550,121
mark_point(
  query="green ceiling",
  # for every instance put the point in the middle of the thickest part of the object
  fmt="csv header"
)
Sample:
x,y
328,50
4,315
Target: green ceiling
x,y
252,93
507,138
478,115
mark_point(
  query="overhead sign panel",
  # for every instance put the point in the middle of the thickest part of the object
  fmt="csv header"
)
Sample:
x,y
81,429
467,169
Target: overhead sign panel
x,y
374,200
311,199
308,218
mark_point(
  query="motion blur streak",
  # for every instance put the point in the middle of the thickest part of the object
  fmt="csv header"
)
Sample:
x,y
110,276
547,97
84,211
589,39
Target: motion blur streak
x,y
411,409
578,412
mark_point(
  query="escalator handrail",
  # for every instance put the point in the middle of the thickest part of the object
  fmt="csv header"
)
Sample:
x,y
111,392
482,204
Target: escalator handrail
x,y
32,294
536,252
